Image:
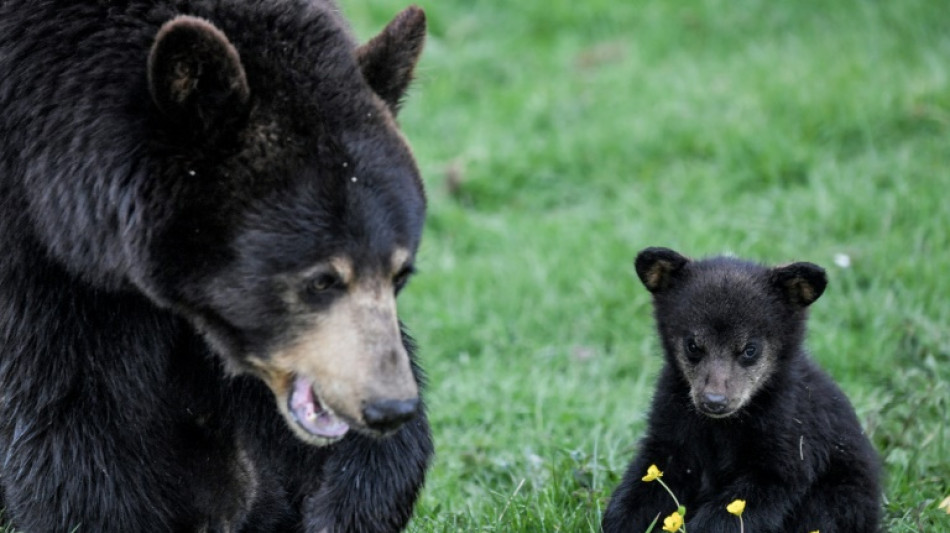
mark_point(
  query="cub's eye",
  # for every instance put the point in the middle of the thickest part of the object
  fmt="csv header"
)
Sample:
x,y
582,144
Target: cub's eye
x,y
402,277
693,351
749,353
323,282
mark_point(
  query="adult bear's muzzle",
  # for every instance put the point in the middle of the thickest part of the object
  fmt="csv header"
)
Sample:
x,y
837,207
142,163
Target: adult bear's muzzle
x,y
347,367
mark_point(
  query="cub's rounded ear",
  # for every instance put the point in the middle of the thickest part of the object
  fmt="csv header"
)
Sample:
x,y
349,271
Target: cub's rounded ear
x,y
389,59
659,267
195,75
800,283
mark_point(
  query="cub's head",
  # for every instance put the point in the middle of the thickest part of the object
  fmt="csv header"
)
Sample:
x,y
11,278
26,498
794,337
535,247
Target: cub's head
x,y
287,207
728,325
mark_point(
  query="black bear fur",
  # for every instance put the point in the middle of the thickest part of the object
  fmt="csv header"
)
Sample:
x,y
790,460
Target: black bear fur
x,y
781,435
164,167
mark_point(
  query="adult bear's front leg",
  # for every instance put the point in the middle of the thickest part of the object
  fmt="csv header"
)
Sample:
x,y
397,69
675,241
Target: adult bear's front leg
x,y
77,464
371,485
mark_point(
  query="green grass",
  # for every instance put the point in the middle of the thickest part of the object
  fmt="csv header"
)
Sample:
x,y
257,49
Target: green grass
x,y
558,138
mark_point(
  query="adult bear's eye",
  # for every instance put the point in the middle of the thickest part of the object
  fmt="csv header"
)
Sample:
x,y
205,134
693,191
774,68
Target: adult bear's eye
x,y
323,282
402,277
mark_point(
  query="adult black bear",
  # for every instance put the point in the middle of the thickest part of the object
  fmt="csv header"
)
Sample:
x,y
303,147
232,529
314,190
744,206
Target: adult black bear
x,y
740,410
206,212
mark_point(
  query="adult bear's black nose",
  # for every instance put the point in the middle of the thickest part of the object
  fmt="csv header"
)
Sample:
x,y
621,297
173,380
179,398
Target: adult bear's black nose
x,y
387,415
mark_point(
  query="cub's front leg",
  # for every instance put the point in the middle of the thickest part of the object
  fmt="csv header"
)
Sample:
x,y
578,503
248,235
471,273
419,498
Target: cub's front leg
x,y
636,503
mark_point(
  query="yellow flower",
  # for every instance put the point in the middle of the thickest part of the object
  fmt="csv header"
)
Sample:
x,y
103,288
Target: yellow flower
x,y
652,473
945,505
736,507
815,531
673,522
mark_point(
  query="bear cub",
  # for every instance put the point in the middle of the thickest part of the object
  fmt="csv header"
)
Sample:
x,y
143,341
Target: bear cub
x,y
741,411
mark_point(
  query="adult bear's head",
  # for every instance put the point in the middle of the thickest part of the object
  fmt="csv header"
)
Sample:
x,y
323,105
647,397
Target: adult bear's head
x,y
288,205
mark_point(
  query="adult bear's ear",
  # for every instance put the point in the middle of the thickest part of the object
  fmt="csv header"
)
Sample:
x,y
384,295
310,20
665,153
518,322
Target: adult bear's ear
x,y
658,268
195,75
388,60
799,283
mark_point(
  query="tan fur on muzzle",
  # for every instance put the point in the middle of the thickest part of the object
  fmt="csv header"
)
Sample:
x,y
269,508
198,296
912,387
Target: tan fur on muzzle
x,y
353,352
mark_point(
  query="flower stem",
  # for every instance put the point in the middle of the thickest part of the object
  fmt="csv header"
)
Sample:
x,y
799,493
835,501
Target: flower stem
x,y
677,502
679,508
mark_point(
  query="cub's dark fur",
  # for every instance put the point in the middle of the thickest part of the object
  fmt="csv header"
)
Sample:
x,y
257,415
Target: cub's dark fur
x,y
206,212
741,411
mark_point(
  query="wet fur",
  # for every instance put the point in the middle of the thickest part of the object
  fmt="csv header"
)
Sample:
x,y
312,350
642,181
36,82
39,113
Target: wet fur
x,y
794,449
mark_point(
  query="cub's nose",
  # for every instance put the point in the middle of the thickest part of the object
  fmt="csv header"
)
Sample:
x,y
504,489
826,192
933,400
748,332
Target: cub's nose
x,y
714,403
387,415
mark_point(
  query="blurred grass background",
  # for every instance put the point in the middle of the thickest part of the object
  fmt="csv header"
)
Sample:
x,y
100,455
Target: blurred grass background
x,y
558,138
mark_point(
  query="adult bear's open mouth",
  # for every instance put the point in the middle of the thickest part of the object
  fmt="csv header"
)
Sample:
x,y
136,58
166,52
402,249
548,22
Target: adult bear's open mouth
x,y
322,394
311,414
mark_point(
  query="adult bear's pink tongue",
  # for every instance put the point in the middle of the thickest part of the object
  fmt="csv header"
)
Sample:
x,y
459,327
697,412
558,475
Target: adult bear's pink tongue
x,y
311,414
